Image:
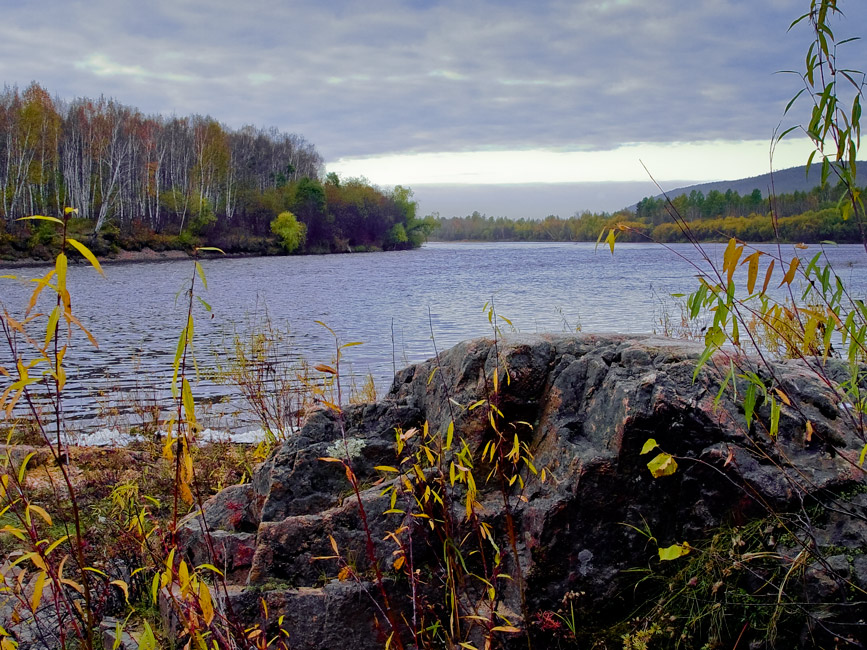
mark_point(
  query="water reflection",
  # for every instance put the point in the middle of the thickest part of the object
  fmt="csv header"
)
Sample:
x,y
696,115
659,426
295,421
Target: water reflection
x,y
390,301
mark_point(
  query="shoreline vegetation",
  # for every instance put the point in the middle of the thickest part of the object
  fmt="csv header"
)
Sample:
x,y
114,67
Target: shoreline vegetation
x,y
143,183
800,217
176,183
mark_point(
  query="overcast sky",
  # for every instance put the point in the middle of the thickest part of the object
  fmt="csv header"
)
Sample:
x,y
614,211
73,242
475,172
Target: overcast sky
x,y
458,92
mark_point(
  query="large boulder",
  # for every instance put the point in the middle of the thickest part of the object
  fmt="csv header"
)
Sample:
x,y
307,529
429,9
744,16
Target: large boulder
x,y
771,529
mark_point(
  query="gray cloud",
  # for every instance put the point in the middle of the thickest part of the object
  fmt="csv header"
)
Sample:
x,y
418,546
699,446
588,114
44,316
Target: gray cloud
x,y
362,78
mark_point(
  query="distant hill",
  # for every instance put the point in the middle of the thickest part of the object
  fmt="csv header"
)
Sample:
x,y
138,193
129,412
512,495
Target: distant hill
x,y
786,181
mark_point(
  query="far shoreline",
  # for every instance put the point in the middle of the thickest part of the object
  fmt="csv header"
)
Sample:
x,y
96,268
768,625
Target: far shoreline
x,y
150,255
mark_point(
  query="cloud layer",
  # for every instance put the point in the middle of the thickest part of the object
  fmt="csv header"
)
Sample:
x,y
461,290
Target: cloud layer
x,y
364,79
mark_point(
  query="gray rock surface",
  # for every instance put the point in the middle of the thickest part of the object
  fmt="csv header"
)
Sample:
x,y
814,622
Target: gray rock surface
x,y
589,403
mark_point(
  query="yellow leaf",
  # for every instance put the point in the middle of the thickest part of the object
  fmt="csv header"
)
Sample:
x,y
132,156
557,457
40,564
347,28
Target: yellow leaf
x,y
674,551
22,470
186,495
610,240
183,575
51,327
752,269
731,256
37,591
790,274
72,319
662,465
323,368
768,275
650,445
809,434
505,628
60,266
55,544
85,251
68,210
41,512
189,404
206,603
39,217
123,587
331,405
41,283
73,584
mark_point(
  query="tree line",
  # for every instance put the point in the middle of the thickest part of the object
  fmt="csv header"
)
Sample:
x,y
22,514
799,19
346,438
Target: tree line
x,y
151,180
801,217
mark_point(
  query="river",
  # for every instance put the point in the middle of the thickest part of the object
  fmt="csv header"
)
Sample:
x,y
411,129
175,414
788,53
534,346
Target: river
x,y
388,301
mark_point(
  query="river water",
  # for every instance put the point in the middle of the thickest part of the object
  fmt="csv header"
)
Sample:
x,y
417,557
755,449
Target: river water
x,y
389,301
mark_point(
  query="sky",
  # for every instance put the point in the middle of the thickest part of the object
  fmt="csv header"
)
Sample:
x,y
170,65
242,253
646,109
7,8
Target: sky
x,y
510,107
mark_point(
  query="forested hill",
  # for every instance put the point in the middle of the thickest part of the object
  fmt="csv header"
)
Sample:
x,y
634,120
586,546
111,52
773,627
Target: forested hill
x,y
801,216
785,181
174,182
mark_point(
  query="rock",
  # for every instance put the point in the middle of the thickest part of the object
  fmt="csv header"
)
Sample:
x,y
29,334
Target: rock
x,y
585,406
115,636
15,455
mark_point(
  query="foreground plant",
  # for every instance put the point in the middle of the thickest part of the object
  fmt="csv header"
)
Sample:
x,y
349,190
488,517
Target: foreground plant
x,y
48,563
751,303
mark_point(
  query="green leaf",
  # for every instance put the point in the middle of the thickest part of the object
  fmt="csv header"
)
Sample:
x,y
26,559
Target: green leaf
x,y
201,273
730,375
788,106
703,359
662,465
147,640
775,417
749,403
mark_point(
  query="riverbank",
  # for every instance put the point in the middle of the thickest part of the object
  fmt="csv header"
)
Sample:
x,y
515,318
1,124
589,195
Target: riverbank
x,y
151,255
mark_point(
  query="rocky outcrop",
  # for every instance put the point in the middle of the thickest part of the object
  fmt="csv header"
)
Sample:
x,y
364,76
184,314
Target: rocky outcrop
x,y
775,524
